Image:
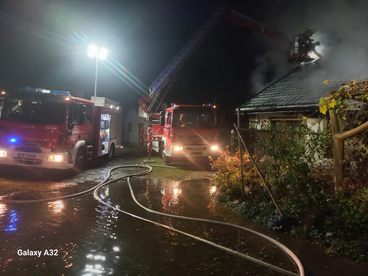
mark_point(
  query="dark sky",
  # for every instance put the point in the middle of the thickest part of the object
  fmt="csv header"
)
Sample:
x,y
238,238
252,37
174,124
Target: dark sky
x,y
43,44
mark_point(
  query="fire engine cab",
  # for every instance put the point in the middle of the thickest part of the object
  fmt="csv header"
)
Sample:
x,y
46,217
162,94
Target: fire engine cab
x,y
187,133
51,129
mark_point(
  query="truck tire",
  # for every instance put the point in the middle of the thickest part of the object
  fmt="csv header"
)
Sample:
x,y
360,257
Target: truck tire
x,y
167,160
80,160
112,152
160,148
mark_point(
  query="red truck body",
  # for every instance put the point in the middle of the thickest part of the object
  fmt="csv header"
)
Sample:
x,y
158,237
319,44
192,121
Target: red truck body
x,y
187,133
51,129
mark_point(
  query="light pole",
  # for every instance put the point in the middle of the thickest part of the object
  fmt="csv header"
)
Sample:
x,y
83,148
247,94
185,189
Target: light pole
x,y
97,53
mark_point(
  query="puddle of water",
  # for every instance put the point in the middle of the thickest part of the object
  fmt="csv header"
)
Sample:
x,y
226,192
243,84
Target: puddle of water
x,y
192,197
196,198
91,239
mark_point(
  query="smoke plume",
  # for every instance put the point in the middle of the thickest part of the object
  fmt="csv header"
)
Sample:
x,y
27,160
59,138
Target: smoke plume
x,y
342,29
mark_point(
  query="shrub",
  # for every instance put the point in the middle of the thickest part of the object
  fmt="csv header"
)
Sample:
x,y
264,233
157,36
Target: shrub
x,y
228,175
337,220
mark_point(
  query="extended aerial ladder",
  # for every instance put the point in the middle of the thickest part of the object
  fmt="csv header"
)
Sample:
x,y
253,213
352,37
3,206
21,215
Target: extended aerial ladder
x,y
161,85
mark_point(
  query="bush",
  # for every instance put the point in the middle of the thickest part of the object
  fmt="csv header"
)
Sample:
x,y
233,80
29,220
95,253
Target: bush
x,y
345,225
292,152
337,220
228,175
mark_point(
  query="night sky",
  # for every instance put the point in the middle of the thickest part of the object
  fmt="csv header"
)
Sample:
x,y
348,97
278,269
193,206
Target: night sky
x,y
44,45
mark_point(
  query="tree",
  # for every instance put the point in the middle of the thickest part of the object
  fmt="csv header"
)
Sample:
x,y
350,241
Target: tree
x,y
337,103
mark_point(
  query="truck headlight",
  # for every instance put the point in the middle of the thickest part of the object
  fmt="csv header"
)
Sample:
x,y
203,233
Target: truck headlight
x,y
3,153
55,158
215,147
178,148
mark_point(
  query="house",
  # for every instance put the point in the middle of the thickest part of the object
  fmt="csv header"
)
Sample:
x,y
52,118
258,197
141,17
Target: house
x,y
289,99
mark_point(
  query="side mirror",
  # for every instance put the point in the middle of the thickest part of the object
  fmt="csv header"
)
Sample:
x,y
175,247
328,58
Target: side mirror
x,y
162,120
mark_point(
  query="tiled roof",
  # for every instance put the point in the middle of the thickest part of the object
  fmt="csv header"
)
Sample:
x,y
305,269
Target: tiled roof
x,y
300,88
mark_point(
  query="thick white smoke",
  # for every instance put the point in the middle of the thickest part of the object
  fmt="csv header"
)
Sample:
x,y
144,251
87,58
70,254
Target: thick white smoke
x,y
342,29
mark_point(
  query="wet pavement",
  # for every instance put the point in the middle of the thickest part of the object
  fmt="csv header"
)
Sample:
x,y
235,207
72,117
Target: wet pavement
x,y
83,237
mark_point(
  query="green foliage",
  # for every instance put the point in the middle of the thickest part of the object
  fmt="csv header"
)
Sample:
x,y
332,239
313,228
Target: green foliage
x,y
337,100
345,224
293,148
228,174
337,220
349,211
292,153
356,148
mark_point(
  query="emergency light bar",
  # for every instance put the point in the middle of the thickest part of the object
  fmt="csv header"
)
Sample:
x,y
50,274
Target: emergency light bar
x,y
60,92
45,91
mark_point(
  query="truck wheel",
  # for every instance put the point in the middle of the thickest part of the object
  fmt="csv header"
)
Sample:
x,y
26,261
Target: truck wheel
x,y
162,152
80,160
160,148
167,160
112,152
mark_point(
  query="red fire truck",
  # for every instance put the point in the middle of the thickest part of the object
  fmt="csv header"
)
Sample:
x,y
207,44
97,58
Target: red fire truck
x,y
51,129
187,133
198,137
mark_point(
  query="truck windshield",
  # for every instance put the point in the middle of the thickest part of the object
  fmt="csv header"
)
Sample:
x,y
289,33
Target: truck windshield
x,y
37,111
189,117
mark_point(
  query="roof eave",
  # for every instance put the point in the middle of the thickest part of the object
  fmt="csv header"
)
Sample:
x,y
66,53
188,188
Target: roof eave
x,y
286,108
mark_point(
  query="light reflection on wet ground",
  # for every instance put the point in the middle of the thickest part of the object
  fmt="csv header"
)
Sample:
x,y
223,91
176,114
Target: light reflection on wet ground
x,y
195,198
91,239
94,240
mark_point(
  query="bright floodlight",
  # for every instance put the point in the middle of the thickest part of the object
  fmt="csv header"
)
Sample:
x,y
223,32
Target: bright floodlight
x,y
97,52
92,50
102,53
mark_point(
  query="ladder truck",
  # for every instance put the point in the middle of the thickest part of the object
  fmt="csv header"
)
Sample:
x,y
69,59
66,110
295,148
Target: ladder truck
x,y
163,124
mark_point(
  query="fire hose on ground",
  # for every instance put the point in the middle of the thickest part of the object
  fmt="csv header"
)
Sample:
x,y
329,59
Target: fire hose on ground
x,y
146,170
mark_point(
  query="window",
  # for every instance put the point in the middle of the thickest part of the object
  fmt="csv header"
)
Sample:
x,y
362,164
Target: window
x,y
33,110
79,113
195,117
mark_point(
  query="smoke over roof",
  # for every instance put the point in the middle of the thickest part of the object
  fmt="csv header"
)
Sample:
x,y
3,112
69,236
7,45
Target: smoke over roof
x,y
342,29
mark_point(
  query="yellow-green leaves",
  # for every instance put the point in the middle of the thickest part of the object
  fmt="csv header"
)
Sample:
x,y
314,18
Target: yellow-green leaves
x,y
323,109
357,90
332,104
323,105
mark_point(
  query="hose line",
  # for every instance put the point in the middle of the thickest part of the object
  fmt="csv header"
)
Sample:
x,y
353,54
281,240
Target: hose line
x,y
226,249
146,170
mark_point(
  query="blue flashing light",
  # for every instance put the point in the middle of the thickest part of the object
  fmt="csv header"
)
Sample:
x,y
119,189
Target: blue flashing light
x,y
13,140
12,222
45,91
